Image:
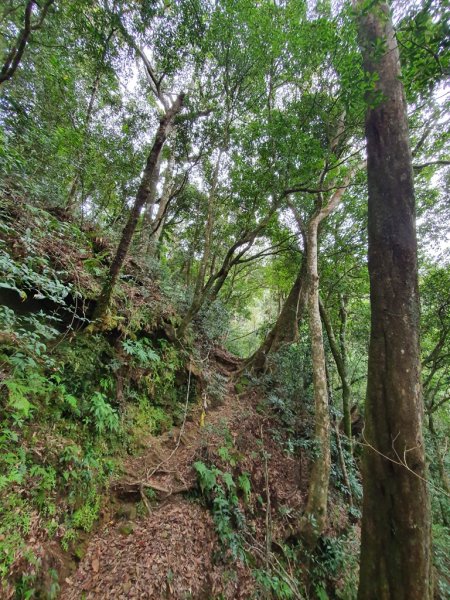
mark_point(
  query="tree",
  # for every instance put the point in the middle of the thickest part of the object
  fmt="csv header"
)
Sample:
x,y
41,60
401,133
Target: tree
x,y
87,121
315,517
435,342
339,352
395,551
234,256
146,190
285,329
172,105
14,56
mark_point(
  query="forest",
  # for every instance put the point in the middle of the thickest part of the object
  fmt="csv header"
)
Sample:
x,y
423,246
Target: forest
x,y
224,299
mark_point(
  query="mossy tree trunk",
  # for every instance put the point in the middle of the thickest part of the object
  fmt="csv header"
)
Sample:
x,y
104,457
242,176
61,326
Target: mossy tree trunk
x,y
314,519
395,545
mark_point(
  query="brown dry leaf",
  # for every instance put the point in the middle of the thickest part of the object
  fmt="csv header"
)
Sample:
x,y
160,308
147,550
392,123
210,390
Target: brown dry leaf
x,y
179,535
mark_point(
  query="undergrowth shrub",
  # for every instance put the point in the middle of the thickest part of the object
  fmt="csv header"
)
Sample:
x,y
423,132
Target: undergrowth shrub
x,y
63,427
142,418
216,387
85,362
236,507
141,351
333,569
441,560
85,516
103,417
70,401
273,584
214,320
289,398
354,477
221,491
160,381
48,399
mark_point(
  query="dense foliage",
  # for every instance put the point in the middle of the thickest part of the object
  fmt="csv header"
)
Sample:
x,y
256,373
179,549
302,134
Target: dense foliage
x,y
224,128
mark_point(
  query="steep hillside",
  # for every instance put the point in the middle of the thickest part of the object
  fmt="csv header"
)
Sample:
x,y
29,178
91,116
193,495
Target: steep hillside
x,y
132,466
224,299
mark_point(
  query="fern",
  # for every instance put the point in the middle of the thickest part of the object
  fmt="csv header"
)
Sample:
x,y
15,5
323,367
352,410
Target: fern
x,y
141,351
105,418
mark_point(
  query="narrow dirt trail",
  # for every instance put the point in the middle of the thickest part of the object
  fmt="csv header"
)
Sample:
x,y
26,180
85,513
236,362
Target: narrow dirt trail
x,y
173,551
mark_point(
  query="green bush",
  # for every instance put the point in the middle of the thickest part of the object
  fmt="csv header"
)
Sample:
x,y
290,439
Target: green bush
x,y
441,535
85,516
220,490
103,417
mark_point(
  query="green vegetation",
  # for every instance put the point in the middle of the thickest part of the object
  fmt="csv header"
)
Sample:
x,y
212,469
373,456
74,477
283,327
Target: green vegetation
x,y
209,208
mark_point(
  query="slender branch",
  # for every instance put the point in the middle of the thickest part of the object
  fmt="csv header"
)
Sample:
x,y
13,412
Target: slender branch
x,y
336,198
401,462
15,55
442,163
154,81
441,402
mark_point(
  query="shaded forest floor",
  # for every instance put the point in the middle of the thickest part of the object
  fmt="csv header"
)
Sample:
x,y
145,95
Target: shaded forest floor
x,y
114,480
173,549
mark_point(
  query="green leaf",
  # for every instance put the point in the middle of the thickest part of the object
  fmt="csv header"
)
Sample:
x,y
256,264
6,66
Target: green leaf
x,y
228,480
245,485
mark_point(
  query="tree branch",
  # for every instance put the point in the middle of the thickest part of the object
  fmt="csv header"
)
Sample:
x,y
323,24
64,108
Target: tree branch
x,y
15,55
442,163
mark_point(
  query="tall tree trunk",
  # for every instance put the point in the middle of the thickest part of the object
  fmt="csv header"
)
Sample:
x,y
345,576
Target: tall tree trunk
x,y
315,517
145,188
285,330
395,545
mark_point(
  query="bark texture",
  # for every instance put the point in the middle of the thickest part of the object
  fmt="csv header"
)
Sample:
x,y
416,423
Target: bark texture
x,y
395,554
315,517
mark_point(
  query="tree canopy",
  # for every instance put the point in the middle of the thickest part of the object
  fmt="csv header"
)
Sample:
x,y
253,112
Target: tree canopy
x,y
188,184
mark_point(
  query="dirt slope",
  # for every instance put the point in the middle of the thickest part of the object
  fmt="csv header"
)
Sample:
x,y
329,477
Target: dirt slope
x,y
173,551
